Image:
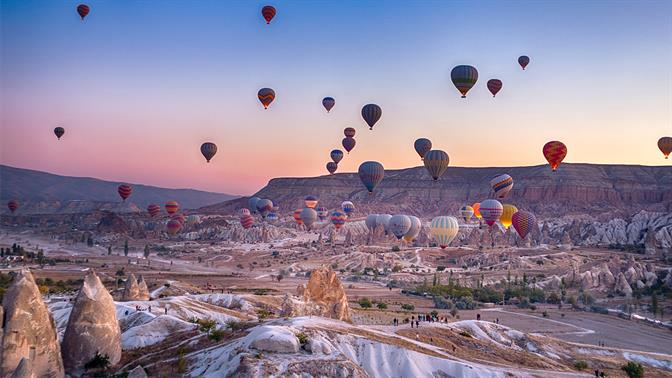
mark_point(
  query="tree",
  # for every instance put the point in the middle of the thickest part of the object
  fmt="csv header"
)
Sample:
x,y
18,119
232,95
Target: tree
x,y
633,370
434,282
382,305
99,361
126,248
109,250
365,303
146,253
89,241
654,303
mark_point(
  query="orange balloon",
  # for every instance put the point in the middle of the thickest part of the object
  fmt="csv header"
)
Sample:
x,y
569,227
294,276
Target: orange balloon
x,y
477,210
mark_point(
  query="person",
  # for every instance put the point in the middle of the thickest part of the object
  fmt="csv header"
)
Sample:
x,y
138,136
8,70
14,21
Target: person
x,y
417,324
411,323
390,288
165,311
478,316
602,375
597,373
150,308
497,321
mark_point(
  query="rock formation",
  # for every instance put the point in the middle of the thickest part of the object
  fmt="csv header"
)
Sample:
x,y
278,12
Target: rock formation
x,y
24,370
143,290
622,285
131,289
137,372
92,327
28,331
322,296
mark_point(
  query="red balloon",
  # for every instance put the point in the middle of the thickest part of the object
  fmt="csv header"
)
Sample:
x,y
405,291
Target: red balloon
x,y
348,143
494,86
268,12
523,222
349,132
173,226
13,205
172,207
124,191
83,10
246,220
297,216
332,167
555,153
153,210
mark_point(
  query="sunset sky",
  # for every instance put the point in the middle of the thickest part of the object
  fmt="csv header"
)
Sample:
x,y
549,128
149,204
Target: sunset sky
x,y
139,85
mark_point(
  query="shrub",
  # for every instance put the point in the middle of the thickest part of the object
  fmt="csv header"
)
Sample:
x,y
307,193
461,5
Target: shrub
x,y
99,361
397,268
260,291
466,334
365,303
440,268
234,325
580,365
206,325
303,338
382,306
443,303
544,314
633,370
407,307
216,335
263,314
453,312
396,248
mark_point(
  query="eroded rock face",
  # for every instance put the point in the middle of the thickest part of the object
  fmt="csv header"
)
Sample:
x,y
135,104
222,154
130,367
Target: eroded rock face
x,y
24,370
137,372
322,296
131,289
29,332
92,327
622,285
143,290
275,339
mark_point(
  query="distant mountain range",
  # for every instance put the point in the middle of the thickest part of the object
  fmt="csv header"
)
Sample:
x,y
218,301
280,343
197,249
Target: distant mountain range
x,y
593,189
42,192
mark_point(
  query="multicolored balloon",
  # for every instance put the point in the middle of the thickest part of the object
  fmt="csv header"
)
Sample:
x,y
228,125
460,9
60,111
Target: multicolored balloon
x,y
523,222
178,217
348,207
59,131
414,231
297,216
124,191
371,222
371,114
349,132
466,212
436,162
555,153
308,216
477,210
252,204
371,173
336,155
193,219
523,60
266,96
322,212
264,206
268,12
399,225
502,185
208,150
348,143
153,210
328,103
494,86
172,207
173,226
507,215
83,10
491,210
13,205
246,220
310,202
464,77
272,217
338,219
332,167
665,146
244,211
443,230
422,146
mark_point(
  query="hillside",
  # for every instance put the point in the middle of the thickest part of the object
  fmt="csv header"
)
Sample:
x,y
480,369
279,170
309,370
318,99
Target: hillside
x,y
42,192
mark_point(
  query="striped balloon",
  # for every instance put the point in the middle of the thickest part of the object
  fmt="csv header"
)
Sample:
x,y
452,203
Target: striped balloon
x,y
507,215
208,150
348,207
384,220
59,131
371,173
268,12
172,207
665,146
554,152
371,114
414,231
124,191
297,216
244,211
83,10
264,206
443,230
338,219
266,96
477,210
322,212
349,132
399,225
272,217
246,220
523,222
464,77
348,143
153,210
173,226
328,103
178,217
252,204
371,222
491,210
308,216
502,185
310,202
332,167
422,146
466,212
494,86
193,219
12,205
523,60
436,162
336,155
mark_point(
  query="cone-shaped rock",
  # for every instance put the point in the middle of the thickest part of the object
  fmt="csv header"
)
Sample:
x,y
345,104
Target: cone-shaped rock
x,y
24,370
28,331
92,327
143,291
131,289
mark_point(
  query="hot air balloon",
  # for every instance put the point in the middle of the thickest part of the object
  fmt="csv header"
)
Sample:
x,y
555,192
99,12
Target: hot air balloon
x,y
464,77
371,114
153,210
297,216
491,210
244,211
665,146
124,191
494,86
332,167
264,206
502,185
83,10
12,205
554,152
246,221
477,210
523,60
172,207
523,222
272,217
384,220
59,131
466,212
208,150
348,207
252,204
268,12
371,222
322,212
266,96
338,219
348,143
178,217
444,229
193,219
414,231
436,162
349,132
310,202
328,103
399,225
308,216
336,155
507,214
173,226
422,146
371,173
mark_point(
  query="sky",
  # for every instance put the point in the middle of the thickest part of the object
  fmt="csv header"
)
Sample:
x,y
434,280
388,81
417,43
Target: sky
x,y
139,85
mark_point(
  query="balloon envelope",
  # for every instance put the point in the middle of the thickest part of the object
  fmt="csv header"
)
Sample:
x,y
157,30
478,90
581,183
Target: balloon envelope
x,y
349,132
348,143
523,222
246,220
172,207
328,103
264,206
252,204
443,230
12,205
464,77
332,167
384,220
436,162
124,191
422,146
266,96
297,216
502,185
310,201
523,60
414,231
371,114
244,211
322,212
208,150
555,153
59,131
466,212
507,215
347,207
83,10
399,225
153,210
494,86
665,146
268,12
371,222
308,216
491,210
338,219
477,210
173,226
371,173
336,155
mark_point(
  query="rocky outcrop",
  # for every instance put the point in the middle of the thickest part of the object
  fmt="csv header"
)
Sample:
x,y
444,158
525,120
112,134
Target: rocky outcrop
x,y
28,331
622,286
274,339
137,372
24,370
92,327
322,296
131,289
111,222
143,290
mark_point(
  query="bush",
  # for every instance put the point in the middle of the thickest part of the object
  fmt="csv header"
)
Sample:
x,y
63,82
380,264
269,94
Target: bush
x,y
580,365
234,325
260,291
396,248
407,307
544,314
443,303
633,370
216,335
99,361
263,314
440,268
365,303
466,334
382,306
206,325
303,338
453,312
397,268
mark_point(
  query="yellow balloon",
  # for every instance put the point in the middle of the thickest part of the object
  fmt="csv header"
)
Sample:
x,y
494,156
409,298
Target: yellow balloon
x,y
507,214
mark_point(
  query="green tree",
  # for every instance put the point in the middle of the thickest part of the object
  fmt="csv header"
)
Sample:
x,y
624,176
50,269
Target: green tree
x,y
365,303
654,303
109,250
146,253
633,370
434,282
126,248
382,306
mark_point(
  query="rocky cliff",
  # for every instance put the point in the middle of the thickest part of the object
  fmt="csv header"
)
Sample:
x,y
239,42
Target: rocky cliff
x,y
322,296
